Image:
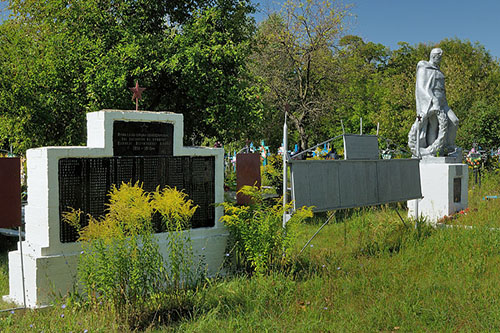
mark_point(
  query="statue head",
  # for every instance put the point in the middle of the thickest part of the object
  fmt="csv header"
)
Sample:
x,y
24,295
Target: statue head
x,y
435,57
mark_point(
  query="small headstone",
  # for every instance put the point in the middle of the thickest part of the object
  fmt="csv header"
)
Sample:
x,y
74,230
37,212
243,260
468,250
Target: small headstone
x,y
247,173
360,147
10,192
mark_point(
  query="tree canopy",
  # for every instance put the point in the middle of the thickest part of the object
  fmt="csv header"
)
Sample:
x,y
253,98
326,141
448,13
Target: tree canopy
x,y
366,80
208,60
62,59
294,53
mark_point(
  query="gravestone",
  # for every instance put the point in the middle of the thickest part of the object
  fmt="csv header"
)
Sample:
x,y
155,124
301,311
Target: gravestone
x,y
247,174
360,147
10,192
122,146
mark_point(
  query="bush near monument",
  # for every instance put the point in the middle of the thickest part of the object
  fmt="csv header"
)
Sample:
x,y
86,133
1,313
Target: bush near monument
x,y
258,241
121,264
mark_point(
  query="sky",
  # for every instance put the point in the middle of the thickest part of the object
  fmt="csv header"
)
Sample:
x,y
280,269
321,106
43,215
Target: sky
x,y
420,21
3,12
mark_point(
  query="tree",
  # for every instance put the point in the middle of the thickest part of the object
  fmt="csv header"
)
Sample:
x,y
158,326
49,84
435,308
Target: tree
x,y
294,57
356,91
482,126
63,59
397,110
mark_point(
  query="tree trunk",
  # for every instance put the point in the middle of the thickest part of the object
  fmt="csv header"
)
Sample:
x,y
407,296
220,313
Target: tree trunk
x,y
303,137
299,125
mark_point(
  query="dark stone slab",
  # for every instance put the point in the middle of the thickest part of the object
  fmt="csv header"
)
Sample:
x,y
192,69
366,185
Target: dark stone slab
x,y
10,192
139,138
247,173
457,189
84,183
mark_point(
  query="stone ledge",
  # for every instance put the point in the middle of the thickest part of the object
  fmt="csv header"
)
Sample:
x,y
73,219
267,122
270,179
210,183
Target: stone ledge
x,y
441,160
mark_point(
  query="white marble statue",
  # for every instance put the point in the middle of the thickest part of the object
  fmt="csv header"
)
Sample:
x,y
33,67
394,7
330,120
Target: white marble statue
x,y
438,123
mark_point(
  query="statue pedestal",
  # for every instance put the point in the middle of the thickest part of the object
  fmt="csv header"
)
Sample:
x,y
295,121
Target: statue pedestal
x,y
444,188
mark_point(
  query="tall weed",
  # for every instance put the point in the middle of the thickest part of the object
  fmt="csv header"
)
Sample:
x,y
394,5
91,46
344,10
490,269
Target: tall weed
x,y
259,240
121,263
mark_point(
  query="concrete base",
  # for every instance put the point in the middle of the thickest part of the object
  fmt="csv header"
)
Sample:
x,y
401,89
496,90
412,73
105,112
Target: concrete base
x,y
444,189
50,276
45,277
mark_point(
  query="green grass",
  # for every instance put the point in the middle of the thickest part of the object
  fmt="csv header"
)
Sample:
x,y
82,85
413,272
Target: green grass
x,y
365,271
6,244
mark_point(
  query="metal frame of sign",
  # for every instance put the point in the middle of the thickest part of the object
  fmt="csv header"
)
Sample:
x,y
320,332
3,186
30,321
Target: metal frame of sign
x,y
372,182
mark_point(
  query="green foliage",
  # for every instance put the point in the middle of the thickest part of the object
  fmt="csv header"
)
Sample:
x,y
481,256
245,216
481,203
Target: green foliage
x,y
482,126
121,263
273,173
356,91
367,80
382,234
230,179
293,61
260,242
60,61
442,279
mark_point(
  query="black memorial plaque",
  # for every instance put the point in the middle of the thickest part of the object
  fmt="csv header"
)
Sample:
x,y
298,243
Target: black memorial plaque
x,y
139,138
457,189
84,183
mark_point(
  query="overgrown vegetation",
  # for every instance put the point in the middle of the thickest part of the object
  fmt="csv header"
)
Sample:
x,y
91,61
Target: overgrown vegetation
x,y
366,271
121,264
257,238
272,173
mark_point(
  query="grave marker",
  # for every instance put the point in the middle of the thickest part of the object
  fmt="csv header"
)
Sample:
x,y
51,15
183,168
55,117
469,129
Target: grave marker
x,y
10,192
247,174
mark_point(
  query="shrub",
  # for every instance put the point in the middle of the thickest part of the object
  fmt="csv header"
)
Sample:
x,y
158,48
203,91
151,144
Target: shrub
x,y
272,173
257,235
121,263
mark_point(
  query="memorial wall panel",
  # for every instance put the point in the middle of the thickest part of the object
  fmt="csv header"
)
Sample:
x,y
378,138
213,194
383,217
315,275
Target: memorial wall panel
x,y
134,138
330,185
84,183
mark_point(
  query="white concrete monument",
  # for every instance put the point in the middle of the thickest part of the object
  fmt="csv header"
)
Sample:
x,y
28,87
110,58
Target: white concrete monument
x,y
444,184
121,146
444,179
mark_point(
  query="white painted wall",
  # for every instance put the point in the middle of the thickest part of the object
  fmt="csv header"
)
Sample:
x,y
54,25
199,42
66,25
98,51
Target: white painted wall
x,y
50,266
436,179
